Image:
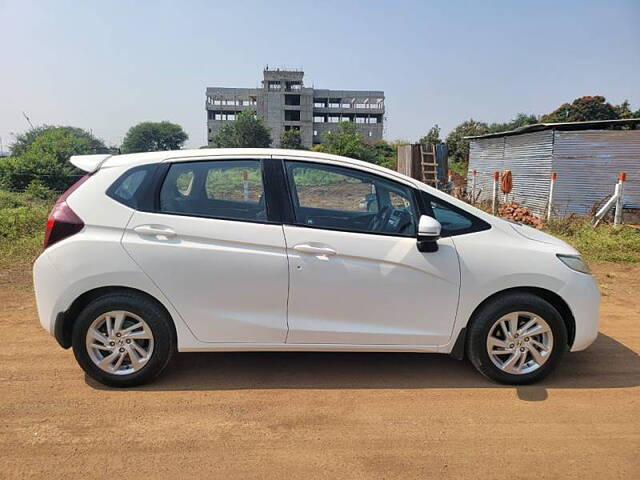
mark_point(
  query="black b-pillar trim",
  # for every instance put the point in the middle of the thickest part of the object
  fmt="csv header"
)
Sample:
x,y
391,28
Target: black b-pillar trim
x,y
279,208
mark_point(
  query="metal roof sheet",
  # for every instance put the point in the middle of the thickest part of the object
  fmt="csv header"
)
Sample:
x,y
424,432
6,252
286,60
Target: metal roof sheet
x,y
591,125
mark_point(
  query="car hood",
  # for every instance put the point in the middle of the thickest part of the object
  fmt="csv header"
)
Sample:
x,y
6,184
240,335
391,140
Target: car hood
x,y
537,235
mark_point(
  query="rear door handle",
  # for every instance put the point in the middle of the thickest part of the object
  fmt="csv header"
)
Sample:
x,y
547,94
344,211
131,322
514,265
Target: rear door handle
x,y
317,249
155,231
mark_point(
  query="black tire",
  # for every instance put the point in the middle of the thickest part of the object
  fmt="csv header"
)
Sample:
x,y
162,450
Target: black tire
x,y
156,318
480,326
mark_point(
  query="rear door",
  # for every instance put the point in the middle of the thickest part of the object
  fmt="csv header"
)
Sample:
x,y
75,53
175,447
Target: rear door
x,y
357,276
215,247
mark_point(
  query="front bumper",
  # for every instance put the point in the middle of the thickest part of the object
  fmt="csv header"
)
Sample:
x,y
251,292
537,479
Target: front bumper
x,y
583,297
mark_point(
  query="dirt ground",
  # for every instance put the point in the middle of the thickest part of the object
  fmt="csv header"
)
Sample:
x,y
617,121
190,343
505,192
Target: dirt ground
x,y
321,415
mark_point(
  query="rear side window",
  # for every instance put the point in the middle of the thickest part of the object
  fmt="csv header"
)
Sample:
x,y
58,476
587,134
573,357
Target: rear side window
x,y
128,188
225,189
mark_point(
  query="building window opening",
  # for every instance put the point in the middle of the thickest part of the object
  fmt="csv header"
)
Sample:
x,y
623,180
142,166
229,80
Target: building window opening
x,y
292,115
292,99
318,119
274,85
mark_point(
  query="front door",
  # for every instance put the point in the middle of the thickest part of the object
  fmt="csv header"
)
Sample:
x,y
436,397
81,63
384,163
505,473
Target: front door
x,y
356,276
214,252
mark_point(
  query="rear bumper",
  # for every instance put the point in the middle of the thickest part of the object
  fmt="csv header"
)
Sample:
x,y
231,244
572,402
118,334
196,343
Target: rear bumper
x,y
583,297
48,285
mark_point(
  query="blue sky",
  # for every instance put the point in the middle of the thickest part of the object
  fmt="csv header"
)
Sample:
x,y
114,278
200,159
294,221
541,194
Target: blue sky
x,y
106,65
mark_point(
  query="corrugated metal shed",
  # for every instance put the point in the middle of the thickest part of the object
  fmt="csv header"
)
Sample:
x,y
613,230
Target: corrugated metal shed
x,y
529,158
587,163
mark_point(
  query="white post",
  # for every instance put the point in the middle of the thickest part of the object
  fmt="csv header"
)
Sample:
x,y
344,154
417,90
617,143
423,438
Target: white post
x,y
245,185
473,186
494,206
554,175
617,219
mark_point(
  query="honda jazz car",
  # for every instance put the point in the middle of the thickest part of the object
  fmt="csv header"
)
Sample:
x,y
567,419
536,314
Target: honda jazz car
x,y
263,249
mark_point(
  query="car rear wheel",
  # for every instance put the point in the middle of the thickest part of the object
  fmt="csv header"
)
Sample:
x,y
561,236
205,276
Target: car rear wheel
x,y
123,340
518,338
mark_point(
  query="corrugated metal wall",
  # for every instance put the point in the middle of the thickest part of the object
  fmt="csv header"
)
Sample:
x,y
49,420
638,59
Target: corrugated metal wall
x,y
485,156
404,160
588,163
528,156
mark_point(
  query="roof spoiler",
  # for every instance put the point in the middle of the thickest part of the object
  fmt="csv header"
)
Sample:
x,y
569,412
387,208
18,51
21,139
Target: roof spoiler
x,y
89,163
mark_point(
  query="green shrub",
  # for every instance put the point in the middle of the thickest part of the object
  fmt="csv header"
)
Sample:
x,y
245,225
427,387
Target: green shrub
x,y
43,153
23,218
603,243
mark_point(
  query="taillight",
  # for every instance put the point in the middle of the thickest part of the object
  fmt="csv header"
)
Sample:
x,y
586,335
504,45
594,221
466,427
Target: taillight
x,y
63,222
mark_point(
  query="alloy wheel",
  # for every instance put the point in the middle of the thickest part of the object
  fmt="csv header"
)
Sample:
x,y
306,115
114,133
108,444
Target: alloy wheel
x,y
520,343
119,342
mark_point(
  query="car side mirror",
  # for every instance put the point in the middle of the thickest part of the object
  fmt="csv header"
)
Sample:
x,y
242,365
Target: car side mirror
x,y
428,234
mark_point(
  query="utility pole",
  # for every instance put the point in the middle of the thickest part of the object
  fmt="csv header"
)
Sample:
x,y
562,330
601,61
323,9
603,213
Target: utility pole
x,y
27,119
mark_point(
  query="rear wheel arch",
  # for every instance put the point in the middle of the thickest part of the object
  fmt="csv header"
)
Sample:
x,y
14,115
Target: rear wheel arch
x,y
553,298
65,320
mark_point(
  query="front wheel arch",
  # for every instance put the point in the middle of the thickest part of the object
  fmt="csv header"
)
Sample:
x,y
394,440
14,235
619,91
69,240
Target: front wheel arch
x,y
553,298
64,323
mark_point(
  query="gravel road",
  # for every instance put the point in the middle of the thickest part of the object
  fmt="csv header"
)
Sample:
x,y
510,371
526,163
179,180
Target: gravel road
x,y
322,415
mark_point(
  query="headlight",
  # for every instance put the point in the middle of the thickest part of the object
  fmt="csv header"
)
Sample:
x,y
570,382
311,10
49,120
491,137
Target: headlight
x,y
574,262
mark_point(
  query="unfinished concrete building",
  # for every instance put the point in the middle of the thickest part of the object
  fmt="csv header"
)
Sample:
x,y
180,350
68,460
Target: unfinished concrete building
x,y
285,103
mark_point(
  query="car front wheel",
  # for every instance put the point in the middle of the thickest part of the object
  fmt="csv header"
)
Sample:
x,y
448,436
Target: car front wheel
x,y
518,338
123,340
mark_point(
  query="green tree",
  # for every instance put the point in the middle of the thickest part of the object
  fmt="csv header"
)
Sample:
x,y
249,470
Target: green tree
x,y
624,110
153,137
458,145
521,120
246,131
291,139
349,142
45,157
432,137
24,140
583,109
386,153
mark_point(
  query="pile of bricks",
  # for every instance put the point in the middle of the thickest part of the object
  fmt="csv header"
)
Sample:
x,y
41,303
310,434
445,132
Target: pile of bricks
x,y
516,212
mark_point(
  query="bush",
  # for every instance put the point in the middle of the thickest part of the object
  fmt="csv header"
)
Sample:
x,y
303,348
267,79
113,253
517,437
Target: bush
x,y
603,243
23,218
43,154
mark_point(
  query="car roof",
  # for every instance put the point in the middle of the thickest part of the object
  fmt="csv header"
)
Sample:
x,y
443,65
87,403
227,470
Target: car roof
x,y
134,159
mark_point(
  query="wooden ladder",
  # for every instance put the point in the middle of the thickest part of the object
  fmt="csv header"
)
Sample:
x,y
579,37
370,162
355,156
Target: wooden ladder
x,y
429,165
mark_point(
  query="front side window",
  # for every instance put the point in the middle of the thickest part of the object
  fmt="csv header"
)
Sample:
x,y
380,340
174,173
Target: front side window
x,y
453,220
326,196
226,189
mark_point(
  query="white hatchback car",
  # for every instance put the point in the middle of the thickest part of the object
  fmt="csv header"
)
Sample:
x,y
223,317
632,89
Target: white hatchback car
x,y
263,249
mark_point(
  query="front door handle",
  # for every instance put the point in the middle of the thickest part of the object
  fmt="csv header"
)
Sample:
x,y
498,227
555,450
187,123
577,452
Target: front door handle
x,y
315,249
155,231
